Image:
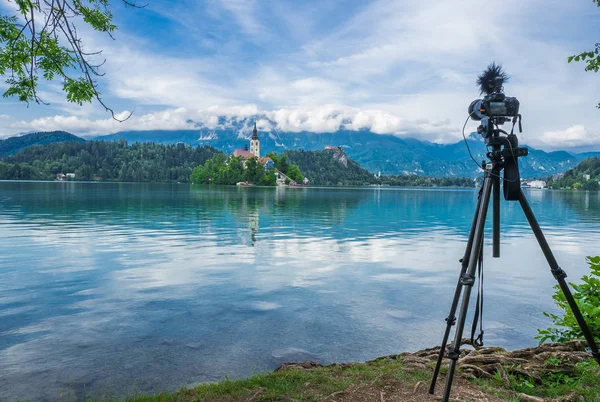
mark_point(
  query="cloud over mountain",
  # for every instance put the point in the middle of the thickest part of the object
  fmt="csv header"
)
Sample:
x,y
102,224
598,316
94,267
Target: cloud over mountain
x,y
326,119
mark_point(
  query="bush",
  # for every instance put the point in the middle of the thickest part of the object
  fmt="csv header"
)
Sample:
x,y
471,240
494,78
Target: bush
x,y
587,296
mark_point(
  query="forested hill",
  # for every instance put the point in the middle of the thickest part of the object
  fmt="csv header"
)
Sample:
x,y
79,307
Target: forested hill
x,y
12,145
584,176
331,168
106,161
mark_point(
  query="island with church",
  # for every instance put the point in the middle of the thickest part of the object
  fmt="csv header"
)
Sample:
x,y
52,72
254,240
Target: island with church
x,y
246,167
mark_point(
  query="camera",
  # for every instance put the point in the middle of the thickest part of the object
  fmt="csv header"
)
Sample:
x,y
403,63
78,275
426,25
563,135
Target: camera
x,y
494,105
495,108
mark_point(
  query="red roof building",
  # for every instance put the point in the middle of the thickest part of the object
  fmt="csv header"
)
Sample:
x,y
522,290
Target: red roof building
x,y
244,153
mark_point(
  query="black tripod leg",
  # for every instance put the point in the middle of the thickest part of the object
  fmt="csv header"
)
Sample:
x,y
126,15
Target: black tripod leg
x,y
451,319
467,280
559,274
496,218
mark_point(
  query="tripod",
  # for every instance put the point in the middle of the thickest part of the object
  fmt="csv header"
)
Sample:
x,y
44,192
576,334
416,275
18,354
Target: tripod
x,y
503,156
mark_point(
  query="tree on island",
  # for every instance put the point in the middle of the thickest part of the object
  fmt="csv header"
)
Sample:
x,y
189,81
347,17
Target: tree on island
x,y
42,39
290,170
221,169
254,171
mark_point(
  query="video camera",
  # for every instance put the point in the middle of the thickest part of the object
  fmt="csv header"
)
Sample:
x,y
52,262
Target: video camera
x,y
495,108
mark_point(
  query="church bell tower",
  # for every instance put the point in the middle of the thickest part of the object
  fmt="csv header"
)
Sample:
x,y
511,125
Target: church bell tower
x,y
255,143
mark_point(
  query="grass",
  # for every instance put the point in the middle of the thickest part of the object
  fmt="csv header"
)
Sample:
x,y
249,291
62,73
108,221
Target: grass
x,y
299,385
318,383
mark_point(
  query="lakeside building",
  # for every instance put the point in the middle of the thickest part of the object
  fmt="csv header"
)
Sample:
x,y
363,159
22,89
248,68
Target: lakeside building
x,y
535,184
63,177
267,162
254,150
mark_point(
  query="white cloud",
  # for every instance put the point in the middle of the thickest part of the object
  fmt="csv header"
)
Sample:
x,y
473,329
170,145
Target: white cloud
x,y
4,116
329,118
575,136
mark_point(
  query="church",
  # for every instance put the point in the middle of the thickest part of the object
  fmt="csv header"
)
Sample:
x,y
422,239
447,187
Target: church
x,y
254,151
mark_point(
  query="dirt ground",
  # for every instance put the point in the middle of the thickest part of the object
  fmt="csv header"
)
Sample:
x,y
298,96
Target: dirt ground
x,y
394,391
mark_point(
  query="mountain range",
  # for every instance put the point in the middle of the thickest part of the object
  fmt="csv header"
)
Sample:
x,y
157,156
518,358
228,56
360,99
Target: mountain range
x,y
387,154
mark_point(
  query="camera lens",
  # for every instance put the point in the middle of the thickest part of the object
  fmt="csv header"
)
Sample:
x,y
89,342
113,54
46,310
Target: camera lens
x,y
474,110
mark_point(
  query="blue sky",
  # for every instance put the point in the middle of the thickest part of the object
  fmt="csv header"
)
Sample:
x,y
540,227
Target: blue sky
x,y
395,67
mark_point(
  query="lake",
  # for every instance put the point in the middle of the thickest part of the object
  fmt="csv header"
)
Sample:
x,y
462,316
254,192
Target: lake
x,y
111,288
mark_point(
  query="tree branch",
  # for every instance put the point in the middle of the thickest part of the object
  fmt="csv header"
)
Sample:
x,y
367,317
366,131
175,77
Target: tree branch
x,y
56,48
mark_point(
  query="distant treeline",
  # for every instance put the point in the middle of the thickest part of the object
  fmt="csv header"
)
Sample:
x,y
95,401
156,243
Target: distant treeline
x,y
149,162
422,181
106,161
584,176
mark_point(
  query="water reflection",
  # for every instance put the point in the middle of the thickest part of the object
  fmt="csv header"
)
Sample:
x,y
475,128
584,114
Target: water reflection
x,y
110,288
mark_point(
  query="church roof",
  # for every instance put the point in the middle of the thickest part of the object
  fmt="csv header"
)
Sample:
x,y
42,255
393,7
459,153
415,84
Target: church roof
x,y
243,153
265,159
255,132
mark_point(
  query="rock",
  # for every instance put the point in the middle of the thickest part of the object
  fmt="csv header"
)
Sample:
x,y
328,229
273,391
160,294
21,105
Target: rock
x,y
298,366
285,355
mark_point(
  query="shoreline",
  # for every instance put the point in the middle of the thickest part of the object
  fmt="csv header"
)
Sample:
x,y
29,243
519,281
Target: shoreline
x,y
545,373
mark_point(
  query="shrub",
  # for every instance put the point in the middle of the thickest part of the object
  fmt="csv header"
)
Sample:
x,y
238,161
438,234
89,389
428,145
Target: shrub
x,y
587,296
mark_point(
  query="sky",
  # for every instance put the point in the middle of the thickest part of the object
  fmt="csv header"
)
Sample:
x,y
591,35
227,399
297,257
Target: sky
x,y
406,68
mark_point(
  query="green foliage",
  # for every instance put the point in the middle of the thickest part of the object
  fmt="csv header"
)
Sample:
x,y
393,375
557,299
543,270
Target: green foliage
x,y
322,168
282,164
41,39
269,179
213,171
591,58
587,296
576,178
254,171
423,181
20,171
231,170
106,161
294,174
274,158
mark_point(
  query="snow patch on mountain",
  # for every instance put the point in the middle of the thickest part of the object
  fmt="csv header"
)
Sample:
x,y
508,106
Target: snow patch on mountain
x,y
211,135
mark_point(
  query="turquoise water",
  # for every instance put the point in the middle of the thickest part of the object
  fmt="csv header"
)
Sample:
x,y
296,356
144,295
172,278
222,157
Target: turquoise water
x,y
109,289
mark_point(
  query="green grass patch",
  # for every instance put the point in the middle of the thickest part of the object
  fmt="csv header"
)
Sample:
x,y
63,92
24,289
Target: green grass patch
x,y
300,385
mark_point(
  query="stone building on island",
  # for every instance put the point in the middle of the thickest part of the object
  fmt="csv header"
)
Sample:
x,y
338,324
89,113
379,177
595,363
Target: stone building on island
x,y
254,147
254,151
